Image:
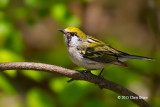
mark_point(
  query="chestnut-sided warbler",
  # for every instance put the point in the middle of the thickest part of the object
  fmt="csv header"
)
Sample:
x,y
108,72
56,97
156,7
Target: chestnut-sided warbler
x,y
91,53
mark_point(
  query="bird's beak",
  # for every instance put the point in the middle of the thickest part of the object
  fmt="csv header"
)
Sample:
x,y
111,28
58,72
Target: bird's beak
x,y
61,30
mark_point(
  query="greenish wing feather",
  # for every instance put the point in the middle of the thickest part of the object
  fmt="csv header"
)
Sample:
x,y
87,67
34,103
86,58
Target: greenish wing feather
x,y
99,53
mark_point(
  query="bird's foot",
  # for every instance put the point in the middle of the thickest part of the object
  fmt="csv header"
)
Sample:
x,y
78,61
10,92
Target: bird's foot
x,y
88,72
81,71
84,71
100,77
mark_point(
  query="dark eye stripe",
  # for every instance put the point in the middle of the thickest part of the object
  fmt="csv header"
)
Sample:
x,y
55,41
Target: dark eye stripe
x,y
72,33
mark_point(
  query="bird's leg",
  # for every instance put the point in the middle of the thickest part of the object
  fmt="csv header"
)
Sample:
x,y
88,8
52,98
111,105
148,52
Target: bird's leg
x,y
70,80
100,72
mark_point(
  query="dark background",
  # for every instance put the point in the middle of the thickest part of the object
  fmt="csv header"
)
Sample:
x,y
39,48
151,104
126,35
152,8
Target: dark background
x,y
28,32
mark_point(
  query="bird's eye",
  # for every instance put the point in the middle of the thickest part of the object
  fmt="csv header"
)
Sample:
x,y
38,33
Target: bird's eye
x,y
72,33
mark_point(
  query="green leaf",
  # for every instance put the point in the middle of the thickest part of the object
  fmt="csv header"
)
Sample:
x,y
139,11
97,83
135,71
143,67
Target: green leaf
x,y
39,98
55,57
142,65
14,42
21,13
6,85
5,28
2,14
11,73
58,84
35,75
4,3
35,3
73,93
59,12
74,21
118,74
9,56
95,103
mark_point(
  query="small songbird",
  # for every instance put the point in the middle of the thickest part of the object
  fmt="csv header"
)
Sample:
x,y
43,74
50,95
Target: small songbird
x,y
91,53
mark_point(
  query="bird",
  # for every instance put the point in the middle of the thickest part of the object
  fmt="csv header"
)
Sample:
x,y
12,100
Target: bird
x,y
92,54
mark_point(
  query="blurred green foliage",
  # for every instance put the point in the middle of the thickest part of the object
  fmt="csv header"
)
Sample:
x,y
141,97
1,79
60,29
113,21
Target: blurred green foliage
x,y
60,12
40,89
6,85
38,98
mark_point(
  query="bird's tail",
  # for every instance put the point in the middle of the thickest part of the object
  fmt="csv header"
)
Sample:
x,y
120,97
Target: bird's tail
x,y
124,56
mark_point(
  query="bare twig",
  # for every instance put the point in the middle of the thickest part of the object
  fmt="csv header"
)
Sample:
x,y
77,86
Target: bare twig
x,y
101,82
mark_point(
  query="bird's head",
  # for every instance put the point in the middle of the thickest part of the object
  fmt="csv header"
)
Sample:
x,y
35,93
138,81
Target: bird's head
x,y
73,31
73,36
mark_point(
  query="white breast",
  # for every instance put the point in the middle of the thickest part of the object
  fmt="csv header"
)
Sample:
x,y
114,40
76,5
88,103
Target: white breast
x,y
84,62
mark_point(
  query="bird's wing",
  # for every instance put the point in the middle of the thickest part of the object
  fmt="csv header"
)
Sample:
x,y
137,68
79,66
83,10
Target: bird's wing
x,y
100,52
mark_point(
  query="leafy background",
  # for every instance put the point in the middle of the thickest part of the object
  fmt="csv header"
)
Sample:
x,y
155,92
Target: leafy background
x,y
28,32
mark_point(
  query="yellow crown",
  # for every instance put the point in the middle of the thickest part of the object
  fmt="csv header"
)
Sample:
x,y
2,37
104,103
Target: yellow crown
x,y
81,34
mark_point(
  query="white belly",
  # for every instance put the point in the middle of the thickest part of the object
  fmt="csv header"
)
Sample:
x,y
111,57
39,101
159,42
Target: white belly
x,y
84,62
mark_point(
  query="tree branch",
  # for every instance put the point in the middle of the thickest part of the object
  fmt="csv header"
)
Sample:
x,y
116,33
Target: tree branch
x,y
101,82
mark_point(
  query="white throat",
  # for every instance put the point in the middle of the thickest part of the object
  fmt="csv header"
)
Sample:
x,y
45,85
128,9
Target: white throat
x,y
74,41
